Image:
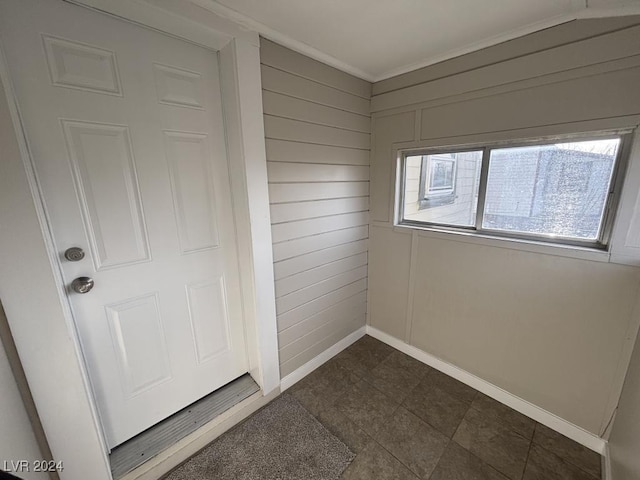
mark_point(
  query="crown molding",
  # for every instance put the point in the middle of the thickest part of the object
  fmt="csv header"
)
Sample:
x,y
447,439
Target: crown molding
x,y
579,10
280,38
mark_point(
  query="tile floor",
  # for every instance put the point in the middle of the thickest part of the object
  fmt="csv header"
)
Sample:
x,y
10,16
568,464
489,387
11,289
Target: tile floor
x,y
405,420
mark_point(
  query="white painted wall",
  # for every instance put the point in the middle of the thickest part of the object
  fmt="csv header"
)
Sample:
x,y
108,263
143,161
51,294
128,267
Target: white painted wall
x,y
550,326
624,443
17,440
317,138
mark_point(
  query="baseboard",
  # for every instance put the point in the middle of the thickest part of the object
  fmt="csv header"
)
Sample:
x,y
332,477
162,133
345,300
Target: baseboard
x,y
538,414
193,443
298,374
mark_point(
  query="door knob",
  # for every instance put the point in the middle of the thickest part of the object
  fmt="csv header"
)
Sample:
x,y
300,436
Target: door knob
x,y
82,284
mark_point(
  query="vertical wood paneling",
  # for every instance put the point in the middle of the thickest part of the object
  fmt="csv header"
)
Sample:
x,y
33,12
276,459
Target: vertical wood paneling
x,y
317,129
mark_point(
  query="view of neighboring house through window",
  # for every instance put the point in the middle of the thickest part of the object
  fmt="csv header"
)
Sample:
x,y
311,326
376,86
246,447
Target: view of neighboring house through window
x,y
554,191
443,188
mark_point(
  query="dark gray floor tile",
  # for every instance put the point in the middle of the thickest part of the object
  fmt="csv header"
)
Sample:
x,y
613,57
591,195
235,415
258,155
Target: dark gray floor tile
x,y
310,398
335,377
367,407
375,463
499,446
374,346
544,465
567,449
323,386
416,444
450,385
360,363
459,464
436,407
400,360
348,432
392,380
490,408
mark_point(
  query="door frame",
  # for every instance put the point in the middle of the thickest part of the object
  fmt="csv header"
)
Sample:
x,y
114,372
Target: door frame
x,y
44,330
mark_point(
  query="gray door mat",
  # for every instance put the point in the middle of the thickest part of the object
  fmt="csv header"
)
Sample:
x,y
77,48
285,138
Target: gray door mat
x,y
280,442
151,442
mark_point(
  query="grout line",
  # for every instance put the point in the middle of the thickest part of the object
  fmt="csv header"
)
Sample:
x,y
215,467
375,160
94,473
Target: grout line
x,y
526,462
568,461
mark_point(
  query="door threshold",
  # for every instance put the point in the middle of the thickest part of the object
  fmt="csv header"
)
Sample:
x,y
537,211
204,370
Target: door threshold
x,y
134,452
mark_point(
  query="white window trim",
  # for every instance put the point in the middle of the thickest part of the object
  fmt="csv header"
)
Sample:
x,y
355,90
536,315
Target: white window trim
x,y
624,183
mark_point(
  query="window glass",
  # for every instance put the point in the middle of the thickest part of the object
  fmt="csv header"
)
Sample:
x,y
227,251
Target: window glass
x,y
442,188
558,190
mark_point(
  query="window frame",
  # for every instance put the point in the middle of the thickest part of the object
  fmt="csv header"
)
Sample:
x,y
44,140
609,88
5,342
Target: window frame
x,y
602,243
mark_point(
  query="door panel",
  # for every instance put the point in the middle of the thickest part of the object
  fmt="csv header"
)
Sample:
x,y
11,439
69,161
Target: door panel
x,y
108,192
193,192
139,340
125,128
208,300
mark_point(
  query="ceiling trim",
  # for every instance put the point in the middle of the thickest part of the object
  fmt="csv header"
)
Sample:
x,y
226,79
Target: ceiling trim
x,y
579,9
280,38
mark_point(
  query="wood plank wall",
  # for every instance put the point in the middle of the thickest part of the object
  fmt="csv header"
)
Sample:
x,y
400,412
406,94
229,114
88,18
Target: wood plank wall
x,y
317,129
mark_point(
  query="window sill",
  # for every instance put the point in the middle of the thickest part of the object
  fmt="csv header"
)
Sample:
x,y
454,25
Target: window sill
x,y
555,249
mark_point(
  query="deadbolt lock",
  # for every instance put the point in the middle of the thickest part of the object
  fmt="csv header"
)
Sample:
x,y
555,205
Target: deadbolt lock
x,y
74,254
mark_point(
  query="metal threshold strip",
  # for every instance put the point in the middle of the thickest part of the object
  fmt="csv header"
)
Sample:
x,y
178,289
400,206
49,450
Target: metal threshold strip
x,y
142,447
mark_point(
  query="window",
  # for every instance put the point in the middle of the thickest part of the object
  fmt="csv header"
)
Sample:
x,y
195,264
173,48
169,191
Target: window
x,y
437,180
559,192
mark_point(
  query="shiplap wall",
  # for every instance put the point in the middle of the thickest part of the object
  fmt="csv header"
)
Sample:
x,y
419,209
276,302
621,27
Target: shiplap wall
x,y
317,128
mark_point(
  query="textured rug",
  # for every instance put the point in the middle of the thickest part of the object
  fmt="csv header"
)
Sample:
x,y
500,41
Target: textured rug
x,y
280,442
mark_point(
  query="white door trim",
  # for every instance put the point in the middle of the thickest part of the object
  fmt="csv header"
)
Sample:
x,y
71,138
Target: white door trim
x,y
43,331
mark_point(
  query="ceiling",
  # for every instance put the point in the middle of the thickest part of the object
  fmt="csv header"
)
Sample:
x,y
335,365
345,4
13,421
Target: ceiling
x,y
377,39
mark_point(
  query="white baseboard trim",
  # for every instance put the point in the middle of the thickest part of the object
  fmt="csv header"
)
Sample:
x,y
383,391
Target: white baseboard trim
x,y
538,414
297,375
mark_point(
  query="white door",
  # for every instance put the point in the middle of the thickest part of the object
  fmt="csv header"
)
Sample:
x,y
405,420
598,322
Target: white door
x,y
125,130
